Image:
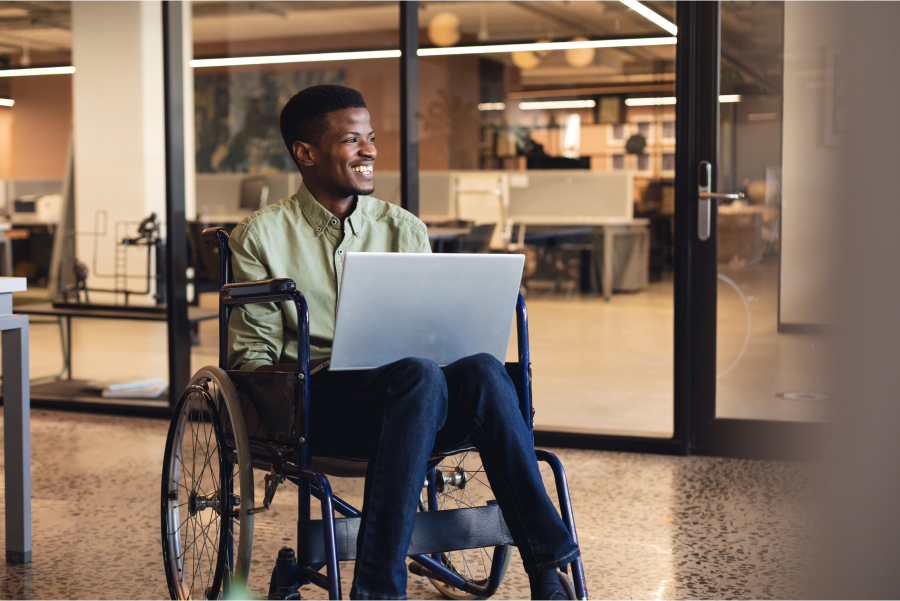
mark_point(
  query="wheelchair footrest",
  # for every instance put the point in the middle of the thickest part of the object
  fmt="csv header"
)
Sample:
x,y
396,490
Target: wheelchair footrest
x,y
434,532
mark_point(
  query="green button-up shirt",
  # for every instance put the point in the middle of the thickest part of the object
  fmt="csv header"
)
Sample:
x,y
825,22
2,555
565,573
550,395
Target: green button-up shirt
x,y
298,238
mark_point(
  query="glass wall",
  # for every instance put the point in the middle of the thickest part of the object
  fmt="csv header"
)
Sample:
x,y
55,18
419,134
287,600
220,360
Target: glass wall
x,y
775,148
237,107
565,154
568,154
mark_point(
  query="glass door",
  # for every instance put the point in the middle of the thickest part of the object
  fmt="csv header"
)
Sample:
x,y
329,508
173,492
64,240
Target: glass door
x,y
548,129
762,236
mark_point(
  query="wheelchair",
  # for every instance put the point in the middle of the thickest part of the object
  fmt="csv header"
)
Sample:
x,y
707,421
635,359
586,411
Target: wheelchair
x,y
229,423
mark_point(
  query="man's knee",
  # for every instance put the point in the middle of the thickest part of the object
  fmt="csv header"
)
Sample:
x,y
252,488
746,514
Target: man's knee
x,y
481,368
421,384
420,371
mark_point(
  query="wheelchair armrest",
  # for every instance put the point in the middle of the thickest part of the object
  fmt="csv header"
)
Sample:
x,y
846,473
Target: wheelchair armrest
x,y
211,234
261,287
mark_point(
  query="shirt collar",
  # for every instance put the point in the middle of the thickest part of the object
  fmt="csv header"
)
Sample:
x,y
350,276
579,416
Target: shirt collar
x,y
319,217
355,219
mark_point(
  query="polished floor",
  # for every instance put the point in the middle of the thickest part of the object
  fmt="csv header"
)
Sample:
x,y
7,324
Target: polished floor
x,y
609,365
651,527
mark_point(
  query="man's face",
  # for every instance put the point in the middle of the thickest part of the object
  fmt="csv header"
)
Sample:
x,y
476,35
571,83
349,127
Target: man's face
x,y
344,158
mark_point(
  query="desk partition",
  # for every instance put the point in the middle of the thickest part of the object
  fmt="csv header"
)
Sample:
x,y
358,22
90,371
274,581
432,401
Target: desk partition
x,y
568,193
479,196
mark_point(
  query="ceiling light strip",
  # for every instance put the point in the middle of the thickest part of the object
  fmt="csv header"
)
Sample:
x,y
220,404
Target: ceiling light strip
x,y
538,46
557,104
238,61
651,16
671,100
292,58
37,71
649,101
7,102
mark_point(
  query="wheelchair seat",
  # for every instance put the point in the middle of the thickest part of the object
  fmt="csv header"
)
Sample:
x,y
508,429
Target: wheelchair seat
x,y
340,467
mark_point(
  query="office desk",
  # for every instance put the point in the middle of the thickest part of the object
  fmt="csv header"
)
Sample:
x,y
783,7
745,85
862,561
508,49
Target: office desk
x,y
225,219
53,393
6,264
16,425
440,236
608,227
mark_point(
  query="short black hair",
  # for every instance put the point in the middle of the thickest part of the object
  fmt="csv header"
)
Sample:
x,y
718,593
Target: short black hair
x,y
304,117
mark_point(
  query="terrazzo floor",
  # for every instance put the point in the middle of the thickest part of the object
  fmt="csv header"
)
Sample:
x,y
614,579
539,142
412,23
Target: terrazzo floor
x,y
651,527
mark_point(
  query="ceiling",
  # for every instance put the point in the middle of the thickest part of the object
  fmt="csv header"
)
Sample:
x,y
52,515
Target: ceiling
x,y
30,30
501,21
40,32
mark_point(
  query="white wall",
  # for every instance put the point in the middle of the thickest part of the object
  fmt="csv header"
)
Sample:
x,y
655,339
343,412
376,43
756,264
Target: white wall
x,y
118,119
809,168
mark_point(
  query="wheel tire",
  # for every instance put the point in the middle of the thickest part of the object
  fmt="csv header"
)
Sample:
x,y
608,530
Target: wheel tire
x,y
199,548
566,582
472,564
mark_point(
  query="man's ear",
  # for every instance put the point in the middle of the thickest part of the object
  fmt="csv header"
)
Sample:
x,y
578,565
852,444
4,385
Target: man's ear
x,y
303,154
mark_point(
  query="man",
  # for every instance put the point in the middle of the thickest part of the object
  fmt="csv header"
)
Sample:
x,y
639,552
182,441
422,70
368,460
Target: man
x,y
396,415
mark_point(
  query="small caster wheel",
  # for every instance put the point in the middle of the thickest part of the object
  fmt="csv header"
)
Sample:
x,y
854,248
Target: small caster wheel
x,y
568,586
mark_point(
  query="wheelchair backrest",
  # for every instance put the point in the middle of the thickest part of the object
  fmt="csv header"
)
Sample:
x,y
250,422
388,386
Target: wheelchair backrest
x,y
219,235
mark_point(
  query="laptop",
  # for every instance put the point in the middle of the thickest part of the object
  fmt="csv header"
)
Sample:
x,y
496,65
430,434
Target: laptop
x,y
441,307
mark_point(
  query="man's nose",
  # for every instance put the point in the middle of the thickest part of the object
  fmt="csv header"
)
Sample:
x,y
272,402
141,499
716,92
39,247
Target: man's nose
x,y
368,150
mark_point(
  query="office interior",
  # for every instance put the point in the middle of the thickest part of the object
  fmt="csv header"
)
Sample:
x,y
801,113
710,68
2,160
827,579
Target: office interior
x,y
566,154
546,152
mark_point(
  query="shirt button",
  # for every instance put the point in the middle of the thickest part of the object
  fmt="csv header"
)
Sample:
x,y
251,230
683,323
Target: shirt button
x,y
334,222
340,251
318,229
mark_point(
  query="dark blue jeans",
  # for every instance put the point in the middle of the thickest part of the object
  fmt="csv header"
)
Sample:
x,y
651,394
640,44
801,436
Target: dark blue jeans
x,y
396,416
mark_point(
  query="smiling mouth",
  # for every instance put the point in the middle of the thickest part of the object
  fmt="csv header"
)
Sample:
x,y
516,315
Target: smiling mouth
x,y
364,169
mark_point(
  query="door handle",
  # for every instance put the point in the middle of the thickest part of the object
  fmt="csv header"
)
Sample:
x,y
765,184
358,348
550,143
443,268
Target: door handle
x,y
721,196
704,196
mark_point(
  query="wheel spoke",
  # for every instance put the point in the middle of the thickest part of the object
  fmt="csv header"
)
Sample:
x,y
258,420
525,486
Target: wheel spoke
x,y
473,490
199,476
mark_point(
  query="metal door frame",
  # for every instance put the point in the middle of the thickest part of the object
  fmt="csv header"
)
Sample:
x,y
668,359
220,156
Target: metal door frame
x,y
697,139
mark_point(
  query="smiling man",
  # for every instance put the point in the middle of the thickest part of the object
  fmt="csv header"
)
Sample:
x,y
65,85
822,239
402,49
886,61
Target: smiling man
x,y
397,415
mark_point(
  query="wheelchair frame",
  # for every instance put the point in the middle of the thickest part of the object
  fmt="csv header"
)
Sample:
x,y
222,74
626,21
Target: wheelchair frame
x,y
325,542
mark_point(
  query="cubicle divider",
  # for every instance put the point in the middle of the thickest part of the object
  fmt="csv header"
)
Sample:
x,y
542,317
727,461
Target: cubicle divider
x,y
571,194
479,196
219,194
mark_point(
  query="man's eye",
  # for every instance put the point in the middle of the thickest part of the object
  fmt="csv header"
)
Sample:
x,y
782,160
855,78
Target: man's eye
x,y
372,139
350,140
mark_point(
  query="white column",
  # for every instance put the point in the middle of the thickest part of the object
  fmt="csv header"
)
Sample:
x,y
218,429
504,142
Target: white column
x,y
190,157
118,118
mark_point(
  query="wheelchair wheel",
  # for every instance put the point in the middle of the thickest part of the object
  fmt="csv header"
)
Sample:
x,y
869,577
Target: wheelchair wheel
x,y
207,492
568,585
461,482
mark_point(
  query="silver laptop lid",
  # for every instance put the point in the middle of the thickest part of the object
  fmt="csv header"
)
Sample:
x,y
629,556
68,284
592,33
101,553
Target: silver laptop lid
x,y
441,307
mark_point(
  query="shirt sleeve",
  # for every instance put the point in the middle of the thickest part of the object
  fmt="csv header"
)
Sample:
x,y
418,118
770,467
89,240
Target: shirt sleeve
x,y
423,245
256,331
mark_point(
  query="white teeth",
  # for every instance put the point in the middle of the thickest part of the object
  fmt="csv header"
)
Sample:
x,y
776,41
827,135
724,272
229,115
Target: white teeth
x,y
363,169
